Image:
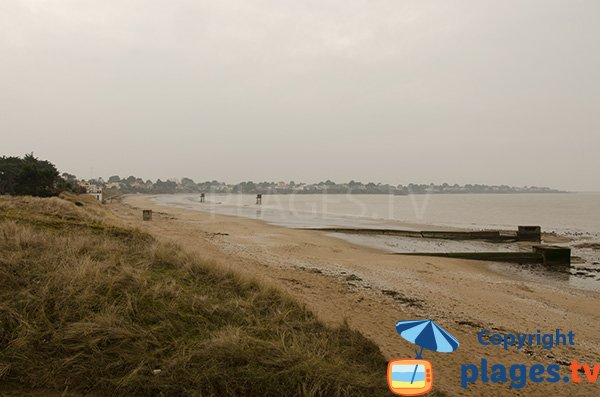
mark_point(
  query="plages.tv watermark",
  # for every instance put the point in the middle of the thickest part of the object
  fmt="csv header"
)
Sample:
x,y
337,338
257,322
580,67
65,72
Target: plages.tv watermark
x,y
517,376
298,205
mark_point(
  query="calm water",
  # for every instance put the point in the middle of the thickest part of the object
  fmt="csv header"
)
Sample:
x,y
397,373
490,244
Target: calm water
x,y
574,215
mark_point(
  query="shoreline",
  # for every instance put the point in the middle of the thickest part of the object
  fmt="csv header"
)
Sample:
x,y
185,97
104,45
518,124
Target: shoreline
x,y
371,289
584,272
243,205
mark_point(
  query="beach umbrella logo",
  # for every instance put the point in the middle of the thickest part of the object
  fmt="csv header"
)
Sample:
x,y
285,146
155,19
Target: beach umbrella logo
x,y
413,377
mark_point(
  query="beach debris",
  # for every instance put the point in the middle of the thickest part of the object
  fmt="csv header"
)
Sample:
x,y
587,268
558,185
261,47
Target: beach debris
x,y
470,323
594,246
399,297
166,215
567,363
353,277
215,234
529,352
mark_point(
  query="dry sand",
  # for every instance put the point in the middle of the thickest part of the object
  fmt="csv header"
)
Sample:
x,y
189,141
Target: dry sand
x,y
371,290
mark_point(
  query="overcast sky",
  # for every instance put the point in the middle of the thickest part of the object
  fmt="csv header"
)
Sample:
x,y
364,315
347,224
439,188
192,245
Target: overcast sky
x,y
497,92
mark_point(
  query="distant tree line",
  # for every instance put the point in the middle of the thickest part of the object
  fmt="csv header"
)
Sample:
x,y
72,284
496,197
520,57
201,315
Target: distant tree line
x,y
133,184
31,176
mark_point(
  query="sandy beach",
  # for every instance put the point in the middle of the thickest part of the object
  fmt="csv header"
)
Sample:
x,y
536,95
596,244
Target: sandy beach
x,y
371,290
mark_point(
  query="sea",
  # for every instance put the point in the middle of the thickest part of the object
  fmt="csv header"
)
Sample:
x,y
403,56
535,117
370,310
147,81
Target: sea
x,y
573,217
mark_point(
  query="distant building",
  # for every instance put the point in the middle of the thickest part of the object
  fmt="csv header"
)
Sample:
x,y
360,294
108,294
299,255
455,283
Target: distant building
x,y
92,190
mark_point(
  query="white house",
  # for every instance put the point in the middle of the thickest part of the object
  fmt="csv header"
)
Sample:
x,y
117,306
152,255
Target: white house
x,y
93,190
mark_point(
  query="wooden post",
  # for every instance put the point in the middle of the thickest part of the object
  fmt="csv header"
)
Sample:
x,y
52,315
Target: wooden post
x,y
147,215
201,197
259,199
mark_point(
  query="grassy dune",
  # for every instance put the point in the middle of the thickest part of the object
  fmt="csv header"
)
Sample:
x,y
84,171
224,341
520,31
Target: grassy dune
x,y
88,306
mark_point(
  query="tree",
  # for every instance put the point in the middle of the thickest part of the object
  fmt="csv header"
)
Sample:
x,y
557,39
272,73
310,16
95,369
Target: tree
x,y
187,181
68,182
10,167
29,176
165,187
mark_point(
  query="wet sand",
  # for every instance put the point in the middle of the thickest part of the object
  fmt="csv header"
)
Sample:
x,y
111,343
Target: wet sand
x,y
371,290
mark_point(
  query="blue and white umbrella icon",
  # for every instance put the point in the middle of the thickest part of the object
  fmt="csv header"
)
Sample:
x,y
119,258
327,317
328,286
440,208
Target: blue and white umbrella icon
x,y
427,335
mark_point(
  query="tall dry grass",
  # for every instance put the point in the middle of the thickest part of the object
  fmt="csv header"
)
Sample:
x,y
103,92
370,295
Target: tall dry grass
x,y
91,307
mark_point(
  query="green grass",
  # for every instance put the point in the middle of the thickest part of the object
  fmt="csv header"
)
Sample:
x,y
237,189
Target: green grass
x,y
89,306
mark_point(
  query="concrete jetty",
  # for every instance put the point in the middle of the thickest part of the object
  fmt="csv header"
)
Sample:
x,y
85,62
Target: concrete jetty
x,y
553,256
524,233
540,253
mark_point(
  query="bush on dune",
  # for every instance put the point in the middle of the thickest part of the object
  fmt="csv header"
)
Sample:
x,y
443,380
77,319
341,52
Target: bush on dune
x,y
93,311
